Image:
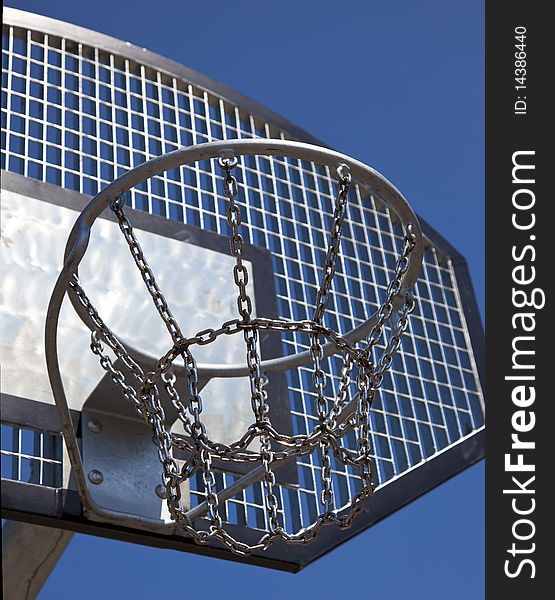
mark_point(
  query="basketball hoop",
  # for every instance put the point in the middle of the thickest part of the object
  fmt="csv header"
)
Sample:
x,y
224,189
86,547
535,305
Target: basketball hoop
x,y
261,443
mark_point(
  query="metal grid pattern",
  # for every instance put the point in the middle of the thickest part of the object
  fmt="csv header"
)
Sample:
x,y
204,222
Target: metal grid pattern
x,y
77,117
31,456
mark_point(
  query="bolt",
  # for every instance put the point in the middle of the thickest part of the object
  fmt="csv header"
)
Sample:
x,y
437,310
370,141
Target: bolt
x,y
161,491
227,153
96,477
94,425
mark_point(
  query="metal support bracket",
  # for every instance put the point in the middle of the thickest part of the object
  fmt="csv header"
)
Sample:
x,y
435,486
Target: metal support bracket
x,y
120,460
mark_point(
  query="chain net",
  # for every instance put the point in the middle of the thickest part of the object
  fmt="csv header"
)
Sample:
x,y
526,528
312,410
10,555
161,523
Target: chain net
x,y
334,418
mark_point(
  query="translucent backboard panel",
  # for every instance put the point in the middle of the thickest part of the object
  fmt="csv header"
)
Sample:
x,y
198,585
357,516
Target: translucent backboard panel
x,y
79,109
32,231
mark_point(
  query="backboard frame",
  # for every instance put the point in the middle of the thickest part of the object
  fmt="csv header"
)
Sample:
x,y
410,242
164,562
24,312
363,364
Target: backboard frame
x,y
22,501
61,508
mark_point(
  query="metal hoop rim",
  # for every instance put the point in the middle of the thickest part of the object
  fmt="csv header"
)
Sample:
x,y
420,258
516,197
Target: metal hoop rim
x,y
78,240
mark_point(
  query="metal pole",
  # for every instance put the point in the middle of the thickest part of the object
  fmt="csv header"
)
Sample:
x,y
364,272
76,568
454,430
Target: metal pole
x,y
29,554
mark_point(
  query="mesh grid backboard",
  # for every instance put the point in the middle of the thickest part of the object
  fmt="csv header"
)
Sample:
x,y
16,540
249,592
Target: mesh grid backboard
x,y
78,110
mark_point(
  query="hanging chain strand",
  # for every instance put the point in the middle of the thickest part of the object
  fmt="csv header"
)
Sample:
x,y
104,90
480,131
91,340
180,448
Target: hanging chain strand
x,y
104,332
394,342
394,287
244,304
269,481
328,271
195,402
341,397
241,279
322,297
236,242
143,389
146,272
316,350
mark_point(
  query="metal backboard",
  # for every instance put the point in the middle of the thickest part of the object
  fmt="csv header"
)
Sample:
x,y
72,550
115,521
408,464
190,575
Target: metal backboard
x,y
78,110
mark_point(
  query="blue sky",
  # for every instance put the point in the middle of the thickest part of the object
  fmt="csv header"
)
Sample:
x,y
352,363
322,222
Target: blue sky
x,y
398,85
